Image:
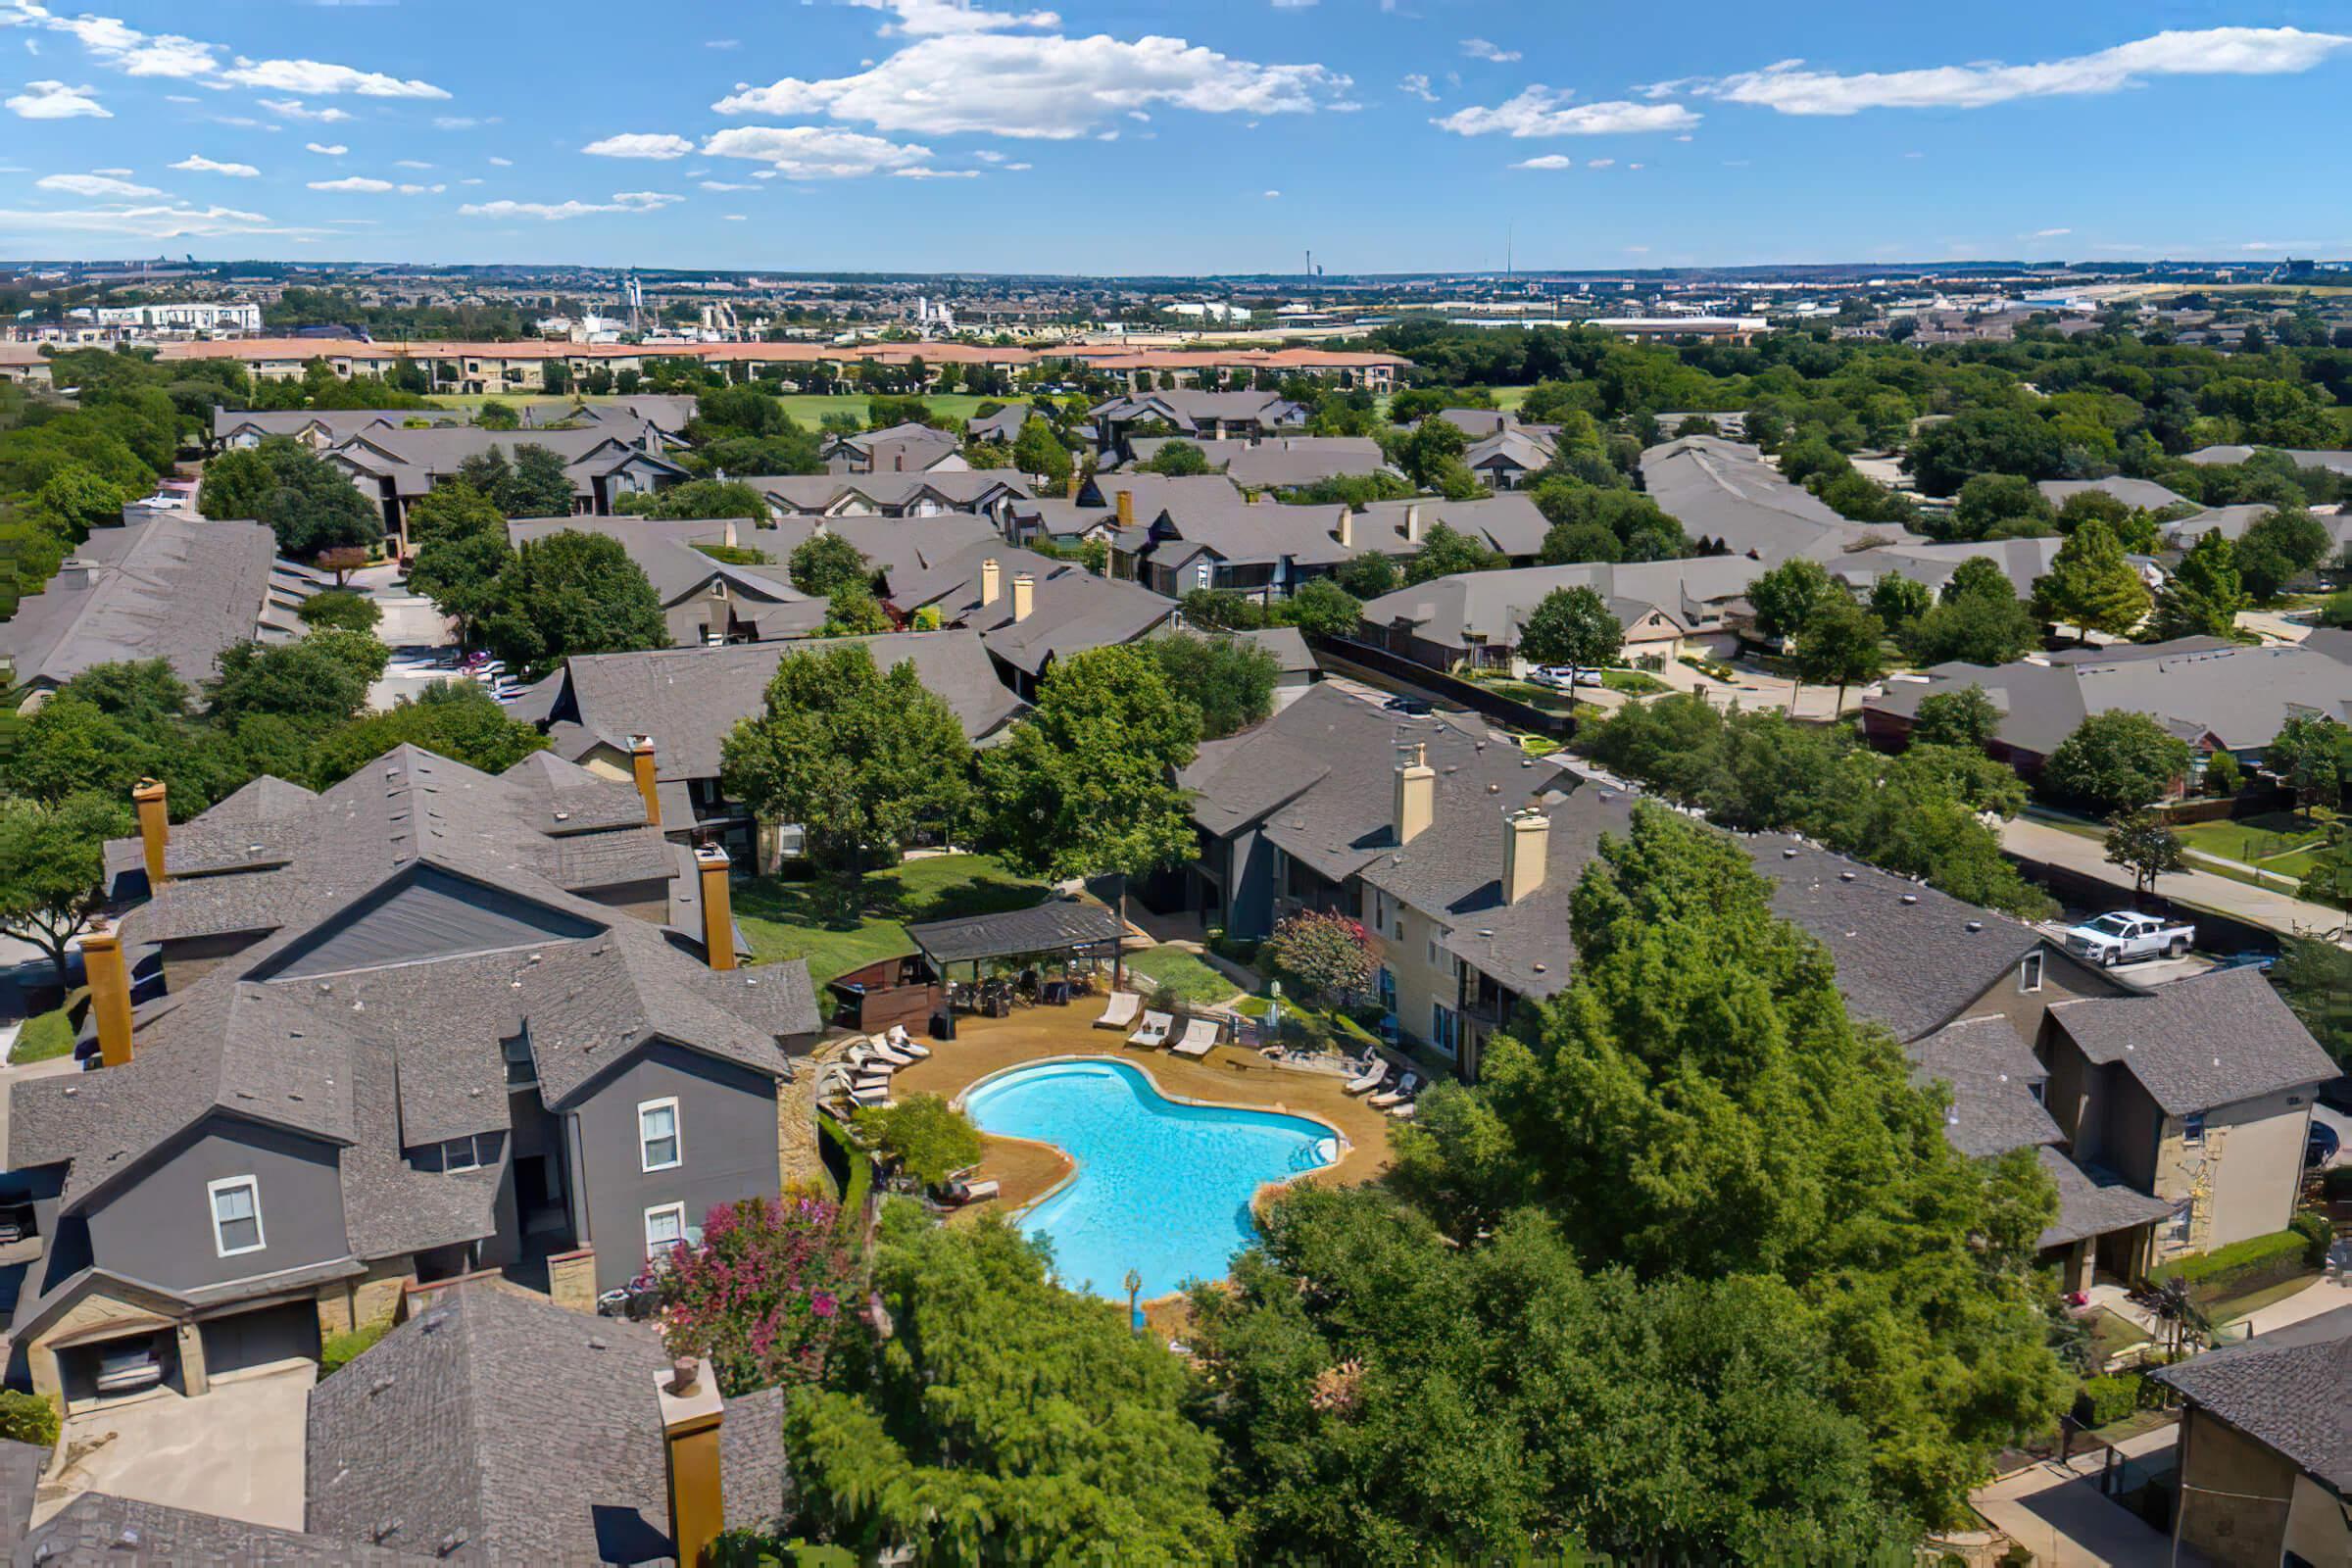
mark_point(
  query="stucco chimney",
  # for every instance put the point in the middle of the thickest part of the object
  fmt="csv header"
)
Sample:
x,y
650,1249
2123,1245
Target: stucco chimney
x,y
1412,522
1345,533
1126,509
1416,794
989,574
1024,596
641,767
691,1413
155,826
718,907
110,992
1526,846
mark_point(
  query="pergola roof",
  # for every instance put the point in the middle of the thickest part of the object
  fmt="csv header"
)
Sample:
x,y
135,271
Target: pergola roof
x,y
1050,927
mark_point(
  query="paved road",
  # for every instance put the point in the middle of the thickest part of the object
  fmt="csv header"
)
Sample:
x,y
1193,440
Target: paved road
x,y
2256,905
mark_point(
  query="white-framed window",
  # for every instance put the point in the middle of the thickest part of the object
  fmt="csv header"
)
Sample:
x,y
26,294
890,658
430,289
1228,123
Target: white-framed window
x,y
659,1146
2192,1129
237,1203
2028,972
664,1229
464,1154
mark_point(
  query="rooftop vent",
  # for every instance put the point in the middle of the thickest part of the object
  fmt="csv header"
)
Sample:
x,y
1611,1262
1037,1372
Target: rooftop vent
x,y
1788,853
1910,898
1845,876
1976,925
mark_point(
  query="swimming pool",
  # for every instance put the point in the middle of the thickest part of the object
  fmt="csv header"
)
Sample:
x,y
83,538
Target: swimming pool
x,y
1163,1188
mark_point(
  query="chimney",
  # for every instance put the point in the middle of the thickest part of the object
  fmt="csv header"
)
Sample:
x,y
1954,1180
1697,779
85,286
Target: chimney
x,y
1126,509
155,826
1412,522
110,992
1024,594
718,907
1416,794
1345,533
1526,843
691,1411
641,766
988,580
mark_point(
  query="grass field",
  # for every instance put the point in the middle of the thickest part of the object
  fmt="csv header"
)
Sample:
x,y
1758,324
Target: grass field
x,y
808,920
47,1035
2276,841
1193,981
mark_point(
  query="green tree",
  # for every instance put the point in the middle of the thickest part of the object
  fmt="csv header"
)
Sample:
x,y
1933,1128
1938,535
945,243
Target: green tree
x,y
460,539
51,862
1324,954
1177,460
1368,577
2140,842
494,415
1786,595
852,611
1004,1420
1571,626
2315,977
1988,498
2279,548
1038,451
1966,719
862,759
2222,776
1322,607
309,502
341,608
320,680
710,498
2116,761
1982,623
1086,783
2202,598
537,486
1429,452
456,719
2091,586
923,1136
822,563
1839,645
1446,551
568,593
73,500
1228,680
1899,602
2307,756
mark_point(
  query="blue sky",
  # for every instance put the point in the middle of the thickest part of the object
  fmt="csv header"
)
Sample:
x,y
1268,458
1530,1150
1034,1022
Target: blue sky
x,y
1141,136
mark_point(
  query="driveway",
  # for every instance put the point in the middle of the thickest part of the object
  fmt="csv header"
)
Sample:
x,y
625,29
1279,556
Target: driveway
x,y
2061,1518
1755,690
237,1452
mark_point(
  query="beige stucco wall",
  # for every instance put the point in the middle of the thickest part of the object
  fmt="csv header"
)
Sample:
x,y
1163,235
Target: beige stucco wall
x,y
2234,1505
2242,1178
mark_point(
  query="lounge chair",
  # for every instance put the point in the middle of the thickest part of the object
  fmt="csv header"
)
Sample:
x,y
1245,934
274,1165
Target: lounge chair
x,y
1121,1012
881,1052
962,1193
1398,1094
900,1040
1372,1077
1155,1030
1199,1036
879,1099
1403,1112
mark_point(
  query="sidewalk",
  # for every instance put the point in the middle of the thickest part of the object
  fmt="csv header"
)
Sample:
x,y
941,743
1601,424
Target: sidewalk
x,y
2059,1516
2085,856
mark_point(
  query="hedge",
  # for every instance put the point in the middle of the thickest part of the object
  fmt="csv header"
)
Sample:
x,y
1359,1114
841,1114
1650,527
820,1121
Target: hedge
x,y
2318,1232
2104,1400
2248,1265
28,1418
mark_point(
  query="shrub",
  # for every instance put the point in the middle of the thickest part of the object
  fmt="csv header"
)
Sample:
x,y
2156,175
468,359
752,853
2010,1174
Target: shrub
x,y
923,1135
340,1351
2246,1265
28,1418
2222,776
2107,1400
1164,997
2317,1234
762,1295
1325,954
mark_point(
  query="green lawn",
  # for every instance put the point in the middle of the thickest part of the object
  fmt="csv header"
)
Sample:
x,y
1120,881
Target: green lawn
x,y
46,1036
1195,983
810,409
1632,682
809,919
2276,841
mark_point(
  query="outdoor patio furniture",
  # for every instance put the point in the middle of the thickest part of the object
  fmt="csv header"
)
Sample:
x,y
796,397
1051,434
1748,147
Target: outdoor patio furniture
x,y
1121,1012
1375,1074
1199,1036
906,1043
1403,1112
1398,1094
962,1193
1155,1030
878,1051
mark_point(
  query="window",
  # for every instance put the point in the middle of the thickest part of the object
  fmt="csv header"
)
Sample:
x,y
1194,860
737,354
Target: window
x,y
1444,1028
2192,1130
658,1135
664,1229
236,1215
468,1153
2028,972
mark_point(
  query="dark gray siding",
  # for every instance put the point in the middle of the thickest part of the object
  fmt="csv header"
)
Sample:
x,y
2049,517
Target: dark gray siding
x,y
159,1226
727,1126
1250,886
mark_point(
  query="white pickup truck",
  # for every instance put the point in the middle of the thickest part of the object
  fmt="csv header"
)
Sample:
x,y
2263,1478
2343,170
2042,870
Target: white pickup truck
x,y
2126,936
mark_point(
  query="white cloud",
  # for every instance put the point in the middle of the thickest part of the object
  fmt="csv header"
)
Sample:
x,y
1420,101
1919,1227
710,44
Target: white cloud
x,y
462,122
1601,163
198,164
2049,233
1540,111
296,108
93,185
1547,161
116,44
815,152
627,201
1790,88
1416,85
1015,168
118,174
640,145
1480,49
502,163
1052,87
1273,195
728,184
942,18
990,156
336,150
723,43
54,100
314,78
410,162
647,200
731,217
145,222
470,181
936,174
353,182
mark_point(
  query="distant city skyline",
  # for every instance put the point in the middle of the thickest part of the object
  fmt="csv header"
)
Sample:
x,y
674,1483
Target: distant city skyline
x,y
1141,138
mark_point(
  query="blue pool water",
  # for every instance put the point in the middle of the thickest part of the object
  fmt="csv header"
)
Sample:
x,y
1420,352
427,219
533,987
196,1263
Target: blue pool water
x,y
1161,1188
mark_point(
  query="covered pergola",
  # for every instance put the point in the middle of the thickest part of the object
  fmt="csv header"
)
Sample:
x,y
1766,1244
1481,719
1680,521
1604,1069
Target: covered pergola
x,y
1064,929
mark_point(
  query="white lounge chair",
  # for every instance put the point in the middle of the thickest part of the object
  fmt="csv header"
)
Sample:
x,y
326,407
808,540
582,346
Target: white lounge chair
x,y
1155,1030
900,1040
1121,1011
879,1098
1403,1112
880,1050
1198,1038
1371,1078
972,1192
1398,1094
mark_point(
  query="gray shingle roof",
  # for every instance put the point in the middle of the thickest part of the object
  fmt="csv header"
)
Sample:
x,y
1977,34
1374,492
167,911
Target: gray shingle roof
x,y
99,1530
1458,862
2211,1040
1495,605
1908,957
958,489
20,1466
1992,1074
1286,461
498,1427
2093,1201
1728,492
1508,522
1048,927
2021,560
2146,495
666,553
338,424
2288,1389
162,585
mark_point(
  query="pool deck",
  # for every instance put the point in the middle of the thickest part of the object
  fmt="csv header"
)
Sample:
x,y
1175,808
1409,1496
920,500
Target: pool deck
x,y
1226,1076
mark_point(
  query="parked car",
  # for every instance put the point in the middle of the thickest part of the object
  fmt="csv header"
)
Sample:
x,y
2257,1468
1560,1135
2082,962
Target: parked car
x,y
2322,1146
2126,936
16,1222
129,1367
1562,676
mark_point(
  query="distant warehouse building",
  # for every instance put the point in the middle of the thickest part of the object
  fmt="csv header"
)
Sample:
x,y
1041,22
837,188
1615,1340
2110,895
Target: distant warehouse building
x,y
183,315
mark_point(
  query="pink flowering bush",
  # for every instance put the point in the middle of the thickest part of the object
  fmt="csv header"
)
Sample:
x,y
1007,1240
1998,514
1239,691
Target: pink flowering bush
x,y
1326,954
764,1296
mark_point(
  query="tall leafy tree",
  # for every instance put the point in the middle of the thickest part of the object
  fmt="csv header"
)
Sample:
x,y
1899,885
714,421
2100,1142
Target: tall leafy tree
x,y
1446,551
321,680
1786,595
1177,460
2115,761
309,502
1321,607
1978,620
2279,548
1039,450
1229,682
1965,718
51,862
569,592
861,758
456,719
2091,586
2139,842
460,539
1840,646
1571,626
2307,755
2203,597
1898,601
823,562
